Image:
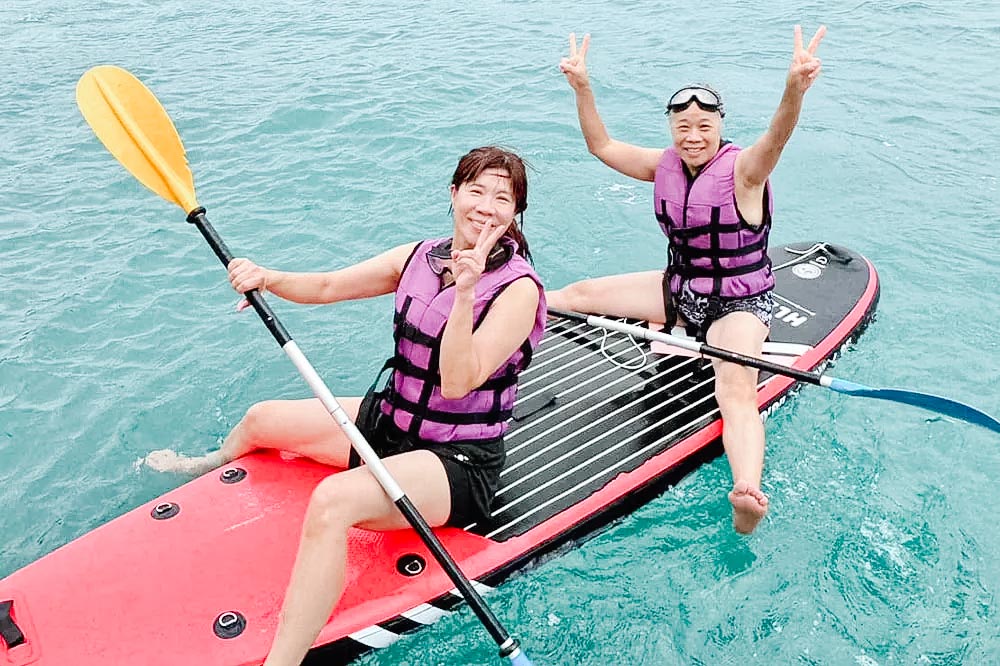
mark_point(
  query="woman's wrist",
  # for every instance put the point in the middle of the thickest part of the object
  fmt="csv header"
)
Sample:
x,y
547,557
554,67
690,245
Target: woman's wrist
x,y
465,296
271,278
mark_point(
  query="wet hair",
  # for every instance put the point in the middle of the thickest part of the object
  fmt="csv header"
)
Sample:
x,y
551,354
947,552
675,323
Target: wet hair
x,y
478,160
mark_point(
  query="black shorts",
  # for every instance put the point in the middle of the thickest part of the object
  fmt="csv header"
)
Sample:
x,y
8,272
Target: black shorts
x,y
472,467
698,311
703,310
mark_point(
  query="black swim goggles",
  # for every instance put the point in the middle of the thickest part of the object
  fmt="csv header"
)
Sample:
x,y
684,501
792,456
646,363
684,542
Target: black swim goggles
x,y
706,99
439,256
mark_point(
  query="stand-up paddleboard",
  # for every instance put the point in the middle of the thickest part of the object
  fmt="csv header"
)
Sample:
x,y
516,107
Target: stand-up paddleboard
x,y
602,424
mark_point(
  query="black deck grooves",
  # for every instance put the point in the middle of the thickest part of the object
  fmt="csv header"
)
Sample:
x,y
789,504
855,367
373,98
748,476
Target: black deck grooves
x,y
605,420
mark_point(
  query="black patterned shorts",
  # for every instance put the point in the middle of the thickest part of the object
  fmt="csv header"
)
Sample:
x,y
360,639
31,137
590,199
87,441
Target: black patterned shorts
x,y
700,311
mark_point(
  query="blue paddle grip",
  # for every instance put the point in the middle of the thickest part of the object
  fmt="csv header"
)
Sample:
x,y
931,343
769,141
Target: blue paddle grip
x,y
848,388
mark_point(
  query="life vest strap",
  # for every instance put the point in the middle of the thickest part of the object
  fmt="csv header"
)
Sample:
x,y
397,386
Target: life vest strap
x,y
405,367
689,272
449,418
688,252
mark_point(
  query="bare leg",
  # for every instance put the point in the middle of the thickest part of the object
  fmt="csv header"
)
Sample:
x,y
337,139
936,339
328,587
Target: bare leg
x,y
338,503
742,430
638,295
303,427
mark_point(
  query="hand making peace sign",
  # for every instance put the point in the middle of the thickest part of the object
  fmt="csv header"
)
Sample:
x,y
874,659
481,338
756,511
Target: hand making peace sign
x,y
468,265
805,65
575,66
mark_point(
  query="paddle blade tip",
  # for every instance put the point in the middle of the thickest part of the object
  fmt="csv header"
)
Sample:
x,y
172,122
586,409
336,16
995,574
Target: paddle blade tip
x,y
521,659
135,128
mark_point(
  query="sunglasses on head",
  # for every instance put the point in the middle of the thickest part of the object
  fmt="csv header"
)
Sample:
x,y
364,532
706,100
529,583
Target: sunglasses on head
x,y
439,256
705,98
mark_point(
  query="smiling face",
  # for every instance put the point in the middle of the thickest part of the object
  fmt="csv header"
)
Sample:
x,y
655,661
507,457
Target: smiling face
x,y
697,135
488,198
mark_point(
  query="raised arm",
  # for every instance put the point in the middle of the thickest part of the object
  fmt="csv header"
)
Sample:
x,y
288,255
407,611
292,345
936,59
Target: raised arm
x,y
469,358
755,164
634,161
372,277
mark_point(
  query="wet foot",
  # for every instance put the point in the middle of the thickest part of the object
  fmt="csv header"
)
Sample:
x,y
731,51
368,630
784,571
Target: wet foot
x,y
749,506
166,460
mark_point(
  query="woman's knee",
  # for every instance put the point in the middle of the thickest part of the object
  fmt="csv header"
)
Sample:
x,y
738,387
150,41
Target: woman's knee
x,y
735,387
259,420
579,295
338,502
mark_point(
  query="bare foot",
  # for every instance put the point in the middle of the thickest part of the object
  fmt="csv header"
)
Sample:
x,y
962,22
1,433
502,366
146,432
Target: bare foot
x,y
166,460
749,506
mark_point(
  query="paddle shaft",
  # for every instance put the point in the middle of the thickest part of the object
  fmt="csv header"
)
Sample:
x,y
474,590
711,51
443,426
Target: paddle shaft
x,y
929,401
508,646
198,219
693,345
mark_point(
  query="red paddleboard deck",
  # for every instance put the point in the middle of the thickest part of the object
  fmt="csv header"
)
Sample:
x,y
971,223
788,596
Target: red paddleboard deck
x,y
602,425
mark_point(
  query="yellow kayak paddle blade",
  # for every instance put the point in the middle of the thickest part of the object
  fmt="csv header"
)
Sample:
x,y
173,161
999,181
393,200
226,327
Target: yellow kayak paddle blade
x,y
135,128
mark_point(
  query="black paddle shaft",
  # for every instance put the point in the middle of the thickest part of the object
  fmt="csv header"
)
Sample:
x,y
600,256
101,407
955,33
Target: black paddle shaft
x,y
198,219
507,644
708,350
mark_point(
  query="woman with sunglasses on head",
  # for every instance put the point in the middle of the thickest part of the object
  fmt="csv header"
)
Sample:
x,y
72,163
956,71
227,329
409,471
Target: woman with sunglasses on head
x,y
713,202
469,311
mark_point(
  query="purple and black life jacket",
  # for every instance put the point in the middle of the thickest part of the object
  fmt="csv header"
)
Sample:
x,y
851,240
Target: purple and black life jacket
x,y
414,400
712,247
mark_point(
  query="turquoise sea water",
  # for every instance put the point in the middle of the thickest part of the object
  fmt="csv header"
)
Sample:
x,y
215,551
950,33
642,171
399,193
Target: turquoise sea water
x,y
321,133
